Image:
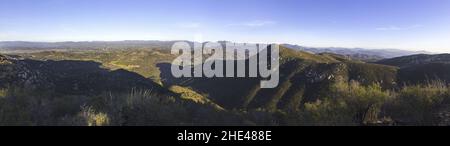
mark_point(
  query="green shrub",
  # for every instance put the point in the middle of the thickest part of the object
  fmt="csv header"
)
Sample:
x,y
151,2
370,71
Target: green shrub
x,y
347,104
415,105
364,102
327,112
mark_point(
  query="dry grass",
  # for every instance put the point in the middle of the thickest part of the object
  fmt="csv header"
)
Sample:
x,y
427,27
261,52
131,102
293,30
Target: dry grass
x,y
3,92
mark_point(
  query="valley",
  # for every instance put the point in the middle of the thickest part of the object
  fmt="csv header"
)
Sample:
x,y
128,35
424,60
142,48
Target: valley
x,y
130,83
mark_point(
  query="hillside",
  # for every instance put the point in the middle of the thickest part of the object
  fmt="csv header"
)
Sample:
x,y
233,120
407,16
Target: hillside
x,y
421,68
304,77
406,61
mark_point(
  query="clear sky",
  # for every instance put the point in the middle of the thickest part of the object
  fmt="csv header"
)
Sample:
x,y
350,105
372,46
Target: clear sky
x,y
403,24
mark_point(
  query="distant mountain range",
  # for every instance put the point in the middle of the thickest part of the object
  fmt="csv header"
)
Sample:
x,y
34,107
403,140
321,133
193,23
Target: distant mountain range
x,y
360,53
355,53
27,47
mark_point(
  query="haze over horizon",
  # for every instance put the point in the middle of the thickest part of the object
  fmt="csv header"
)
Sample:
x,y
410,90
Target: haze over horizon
x,y
400,24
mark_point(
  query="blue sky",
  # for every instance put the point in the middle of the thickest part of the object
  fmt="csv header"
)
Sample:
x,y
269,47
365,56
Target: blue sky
x,y
403,24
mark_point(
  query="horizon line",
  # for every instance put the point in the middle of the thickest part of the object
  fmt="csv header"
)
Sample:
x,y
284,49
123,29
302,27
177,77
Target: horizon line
x,y
284,43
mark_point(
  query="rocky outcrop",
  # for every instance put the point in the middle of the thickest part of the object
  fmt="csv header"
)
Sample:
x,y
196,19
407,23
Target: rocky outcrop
x,y
443,116
16,72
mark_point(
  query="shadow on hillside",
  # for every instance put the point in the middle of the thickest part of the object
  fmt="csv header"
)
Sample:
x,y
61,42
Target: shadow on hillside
x,y
227,92
424,73
82,77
